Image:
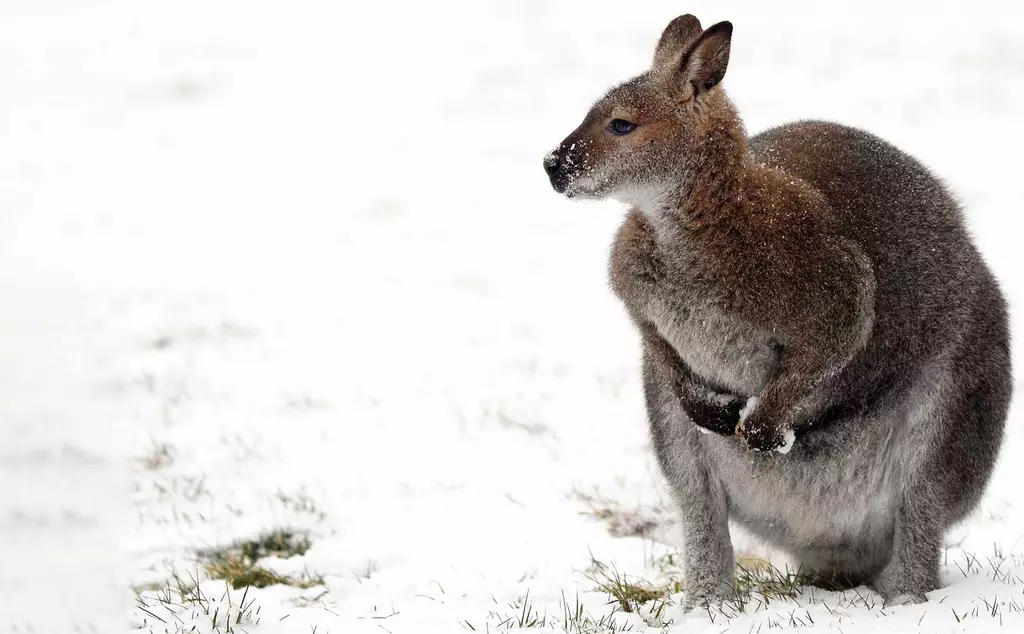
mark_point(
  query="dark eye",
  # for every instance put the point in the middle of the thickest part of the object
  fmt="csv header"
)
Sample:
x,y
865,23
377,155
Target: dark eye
x,y
621,127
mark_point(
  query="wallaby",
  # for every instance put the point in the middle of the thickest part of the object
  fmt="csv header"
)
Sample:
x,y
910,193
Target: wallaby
x,y
811,291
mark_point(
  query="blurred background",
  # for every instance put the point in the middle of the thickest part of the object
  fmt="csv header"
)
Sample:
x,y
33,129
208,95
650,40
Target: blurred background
x,y
295,266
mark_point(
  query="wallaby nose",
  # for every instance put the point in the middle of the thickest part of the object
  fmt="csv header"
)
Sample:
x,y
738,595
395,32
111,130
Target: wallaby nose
x,y
551,163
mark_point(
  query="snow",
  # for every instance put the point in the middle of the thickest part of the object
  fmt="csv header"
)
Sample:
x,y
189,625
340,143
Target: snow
x,y
722,399
788,438
749,407
299,267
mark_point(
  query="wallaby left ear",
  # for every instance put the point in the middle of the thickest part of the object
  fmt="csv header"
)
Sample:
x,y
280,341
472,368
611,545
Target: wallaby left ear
x,y
703,65
675,39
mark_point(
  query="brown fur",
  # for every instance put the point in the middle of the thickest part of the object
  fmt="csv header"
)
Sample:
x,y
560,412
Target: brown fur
x,y
823,271
759,244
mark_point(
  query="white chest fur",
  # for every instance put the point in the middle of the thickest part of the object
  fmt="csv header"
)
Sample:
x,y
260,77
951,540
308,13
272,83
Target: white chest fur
x,y
729,354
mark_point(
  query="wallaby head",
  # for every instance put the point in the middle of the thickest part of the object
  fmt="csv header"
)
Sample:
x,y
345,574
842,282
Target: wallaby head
x,y
642,138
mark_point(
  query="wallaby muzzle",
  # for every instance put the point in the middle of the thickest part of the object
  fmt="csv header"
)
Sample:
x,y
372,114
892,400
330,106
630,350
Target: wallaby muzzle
x,y
564,164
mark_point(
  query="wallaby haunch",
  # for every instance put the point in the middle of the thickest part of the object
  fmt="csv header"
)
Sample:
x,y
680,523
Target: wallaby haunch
x,y
811,291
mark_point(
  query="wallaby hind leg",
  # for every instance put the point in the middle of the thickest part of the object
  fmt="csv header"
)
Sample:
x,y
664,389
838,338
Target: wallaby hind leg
x,y
952,482
913,570
708,556
704,516
921,517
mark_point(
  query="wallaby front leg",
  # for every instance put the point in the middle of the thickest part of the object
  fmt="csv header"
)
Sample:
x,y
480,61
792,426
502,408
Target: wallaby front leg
x,y
825,326
768,421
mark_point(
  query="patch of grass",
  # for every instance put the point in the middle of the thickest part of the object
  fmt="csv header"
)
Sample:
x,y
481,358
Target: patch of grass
x,y
631,593
523,615
241,572
239,565
282,544
576,620
769,582
757,583
168,604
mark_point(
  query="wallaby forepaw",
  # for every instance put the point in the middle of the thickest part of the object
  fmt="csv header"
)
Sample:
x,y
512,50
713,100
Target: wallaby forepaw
x,y
766,437
760,432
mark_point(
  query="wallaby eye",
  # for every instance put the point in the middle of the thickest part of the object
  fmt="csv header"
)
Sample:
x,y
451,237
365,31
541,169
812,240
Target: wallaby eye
x,y
621,127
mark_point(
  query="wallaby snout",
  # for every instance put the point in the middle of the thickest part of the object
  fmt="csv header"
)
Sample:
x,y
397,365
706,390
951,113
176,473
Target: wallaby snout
x,y
553,166
566,164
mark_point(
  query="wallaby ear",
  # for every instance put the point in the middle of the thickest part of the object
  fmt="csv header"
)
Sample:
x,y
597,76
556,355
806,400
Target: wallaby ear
x,y
703,65
678,35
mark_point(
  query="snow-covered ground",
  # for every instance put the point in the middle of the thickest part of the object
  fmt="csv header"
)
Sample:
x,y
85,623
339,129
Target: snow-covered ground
x,y
295,266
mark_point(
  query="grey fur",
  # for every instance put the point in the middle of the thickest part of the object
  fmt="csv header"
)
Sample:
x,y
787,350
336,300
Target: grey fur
x,y
868,495
897,430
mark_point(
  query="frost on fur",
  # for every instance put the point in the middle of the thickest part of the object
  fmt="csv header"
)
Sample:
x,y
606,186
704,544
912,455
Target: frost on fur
x,y
722,399
748,409
788,437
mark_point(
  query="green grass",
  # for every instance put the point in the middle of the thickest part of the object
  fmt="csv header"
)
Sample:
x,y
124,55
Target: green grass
x,y
574,619
769,582
239,566
164,605
631,593
523,615
757,583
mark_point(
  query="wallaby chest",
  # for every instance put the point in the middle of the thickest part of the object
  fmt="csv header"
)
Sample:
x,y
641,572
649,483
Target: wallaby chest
x,y
664,288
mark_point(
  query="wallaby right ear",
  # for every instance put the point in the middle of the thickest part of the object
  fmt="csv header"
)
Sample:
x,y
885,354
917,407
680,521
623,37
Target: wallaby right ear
x,y
703,65
676,37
